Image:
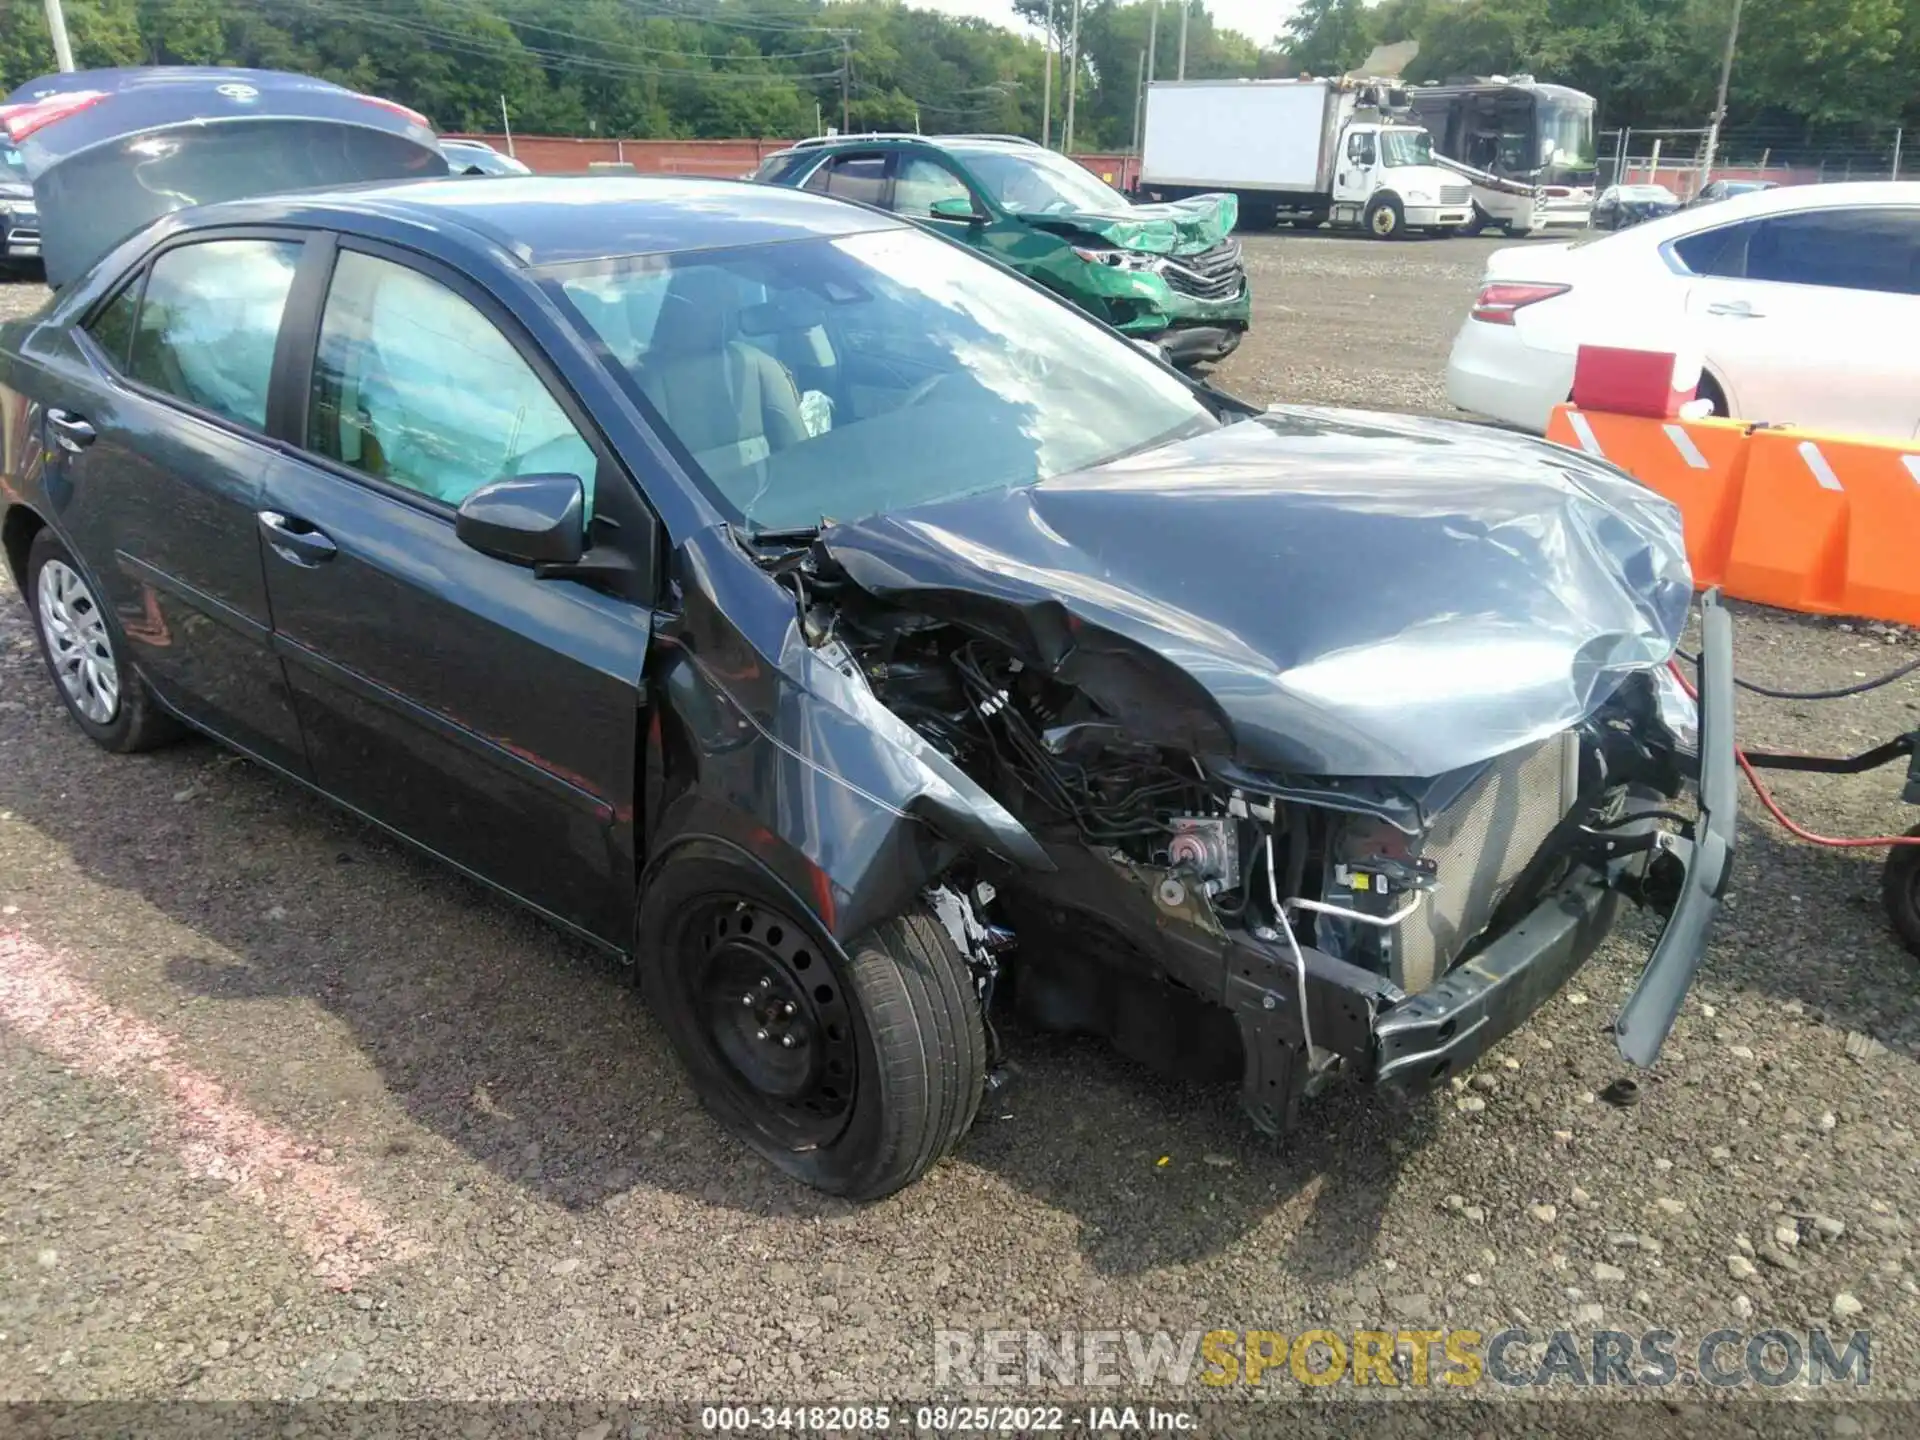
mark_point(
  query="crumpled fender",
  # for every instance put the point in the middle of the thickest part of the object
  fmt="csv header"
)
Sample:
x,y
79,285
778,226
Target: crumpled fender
x,y
759,739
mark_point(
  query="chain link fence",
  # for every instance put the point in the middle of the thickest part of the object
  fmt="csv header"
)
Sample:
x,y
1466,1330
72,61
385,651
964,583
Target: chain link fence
x,y
1786,155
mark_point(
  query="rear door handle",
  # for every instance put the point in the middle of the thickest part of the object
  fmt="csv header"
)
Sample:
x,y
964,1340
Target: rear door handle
x,y
70,432
295,541
1735,310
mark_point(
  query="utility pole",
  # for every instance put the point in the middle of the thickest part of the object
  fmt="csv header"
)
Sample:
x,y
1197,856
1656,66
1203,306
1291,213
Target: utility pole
x,y
846,83
1073,75
1720,101
57,24
1046,82
1153,35
1899,134
1186,7
506,125
1139,99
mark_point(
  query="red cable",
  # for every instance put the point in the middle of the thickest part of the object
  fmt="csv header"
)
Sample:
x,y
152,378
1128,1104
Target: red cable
x,y
1773,806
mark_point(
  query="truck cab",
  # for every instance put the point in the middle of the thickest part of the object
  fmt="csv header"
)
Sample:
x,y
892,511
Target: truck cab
x,y
1385,181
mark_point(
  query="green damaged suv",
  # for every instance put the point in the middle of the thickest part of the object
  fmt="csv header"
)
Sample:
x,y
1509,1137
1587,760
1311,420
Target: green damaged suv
x,y
1171,273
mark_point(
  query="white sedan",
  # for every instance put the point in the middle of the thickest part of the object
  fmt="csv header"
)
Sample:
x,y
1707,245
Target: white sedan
x,y
1804,303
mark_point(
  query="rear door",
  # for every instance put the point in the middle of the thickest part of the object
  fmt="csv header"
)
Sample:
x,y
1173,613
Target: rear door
x,y
1810,316
487,714
158,430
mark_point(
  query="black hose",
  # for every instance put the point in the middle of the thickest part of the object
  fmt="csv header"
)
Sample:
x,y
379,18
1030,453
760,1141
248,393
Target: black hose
x,y
1898,673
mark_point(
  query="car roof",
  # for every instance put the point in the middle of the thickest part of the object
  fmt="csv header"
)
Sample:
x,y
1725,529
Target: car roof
x,y
559,219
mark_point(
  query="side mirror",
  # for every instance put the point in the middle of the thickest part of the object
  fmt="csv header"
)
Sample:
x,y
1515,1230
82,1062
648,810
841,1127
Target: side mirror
x,y
527,519
955,207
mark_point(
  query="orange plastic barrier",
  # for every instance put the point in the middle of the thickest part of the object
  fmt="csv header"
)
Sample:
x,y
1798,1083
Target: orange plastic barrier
x,y
1825,524
1830,525
1699,465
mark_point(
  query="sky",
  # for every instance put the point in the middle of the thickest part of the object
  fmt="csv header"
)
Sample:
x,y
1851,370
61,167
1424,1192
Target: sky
x,y
1260,20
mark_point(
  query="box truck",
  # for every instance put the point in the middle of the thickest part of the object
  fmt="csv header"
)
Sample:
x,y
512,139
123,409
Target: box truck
x,y
1307,151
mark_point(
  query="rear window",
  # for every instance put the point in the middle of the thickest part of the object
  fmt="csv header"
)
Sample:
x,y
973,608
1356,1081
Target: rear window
x,y
776,168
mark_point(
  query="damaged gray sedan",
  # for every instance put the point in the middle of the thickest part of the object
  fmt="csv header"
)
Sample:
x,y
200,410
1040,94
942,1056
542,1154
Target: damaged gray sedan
x,y
859,642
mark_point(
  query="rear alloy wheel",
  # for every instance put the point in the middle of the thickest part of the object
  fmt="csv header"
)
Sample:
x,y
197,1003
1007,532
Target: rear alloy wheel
x,y
1385,219
85,654
854,1074
1900,887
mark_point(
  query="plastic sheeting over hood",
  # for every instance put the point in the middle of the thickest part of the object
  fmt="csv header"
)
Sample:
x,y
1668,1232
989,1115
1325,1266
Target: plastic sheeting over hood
x,y
110,151
1179,227
1312,592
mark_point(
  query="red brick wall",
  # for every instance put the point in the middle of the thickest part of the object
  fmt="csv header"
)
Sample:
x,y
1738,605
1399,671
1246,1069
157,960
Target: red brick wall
x,y
558,155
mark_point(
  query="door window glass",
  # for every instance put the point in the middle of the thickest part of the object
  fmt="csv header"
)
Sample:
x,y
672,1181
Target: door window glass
x,y
209,322
415,386
854,177
1721,251
112,328
1858,249
921,182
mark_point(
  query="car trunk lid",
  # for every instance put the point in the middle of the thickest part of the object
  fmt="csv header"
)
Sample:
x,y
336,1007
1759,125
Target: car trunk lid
x,y
109,151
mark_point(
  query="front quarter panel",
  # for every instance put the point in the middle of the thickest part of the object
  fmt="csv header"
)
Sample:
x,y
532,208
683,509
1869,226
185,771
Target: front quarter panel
x,y
762,743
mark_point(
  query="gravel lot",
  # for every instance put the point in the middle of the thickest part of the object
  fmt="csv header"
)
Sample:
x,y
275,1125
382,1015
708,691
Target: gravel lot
x,y
489,1179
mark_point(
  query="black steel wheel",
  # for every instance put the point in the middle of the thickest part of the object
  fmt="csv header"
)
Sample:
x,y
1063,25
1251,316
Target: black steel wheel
x,y
1900,886
774,1012
852,1069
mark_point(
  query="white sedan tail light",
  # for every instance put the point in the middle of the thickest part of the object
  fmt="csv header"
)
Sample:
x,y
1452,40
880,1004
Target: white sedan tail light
x,y
1499,301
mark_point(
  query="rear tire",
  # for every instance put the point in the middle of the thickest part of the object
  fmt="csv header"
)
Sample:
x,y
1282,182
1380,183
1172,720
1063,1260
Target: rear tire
x,y
86,655
888,1056
1900,888
1709,390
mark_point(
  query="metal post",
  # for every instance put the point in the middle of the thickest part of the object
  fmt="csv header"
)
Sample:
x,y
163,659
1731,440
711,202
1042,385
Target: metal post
x,y
1153,36
1046,82
1186,6
57,25
1720,101
1139,99
1073,76
1898,135
506,126
1620,157
1653,165
846,82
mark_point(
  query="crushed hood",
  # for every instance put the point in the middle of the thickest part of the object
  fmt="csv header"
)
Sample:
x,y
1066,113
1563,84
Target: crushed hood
x,y
1179,227
110,151
1311,592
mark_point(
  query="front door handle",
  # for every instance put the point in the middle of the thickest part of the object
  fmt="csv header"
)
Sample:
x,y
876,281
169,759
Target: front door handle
x,y
1734,310
295,541
70,432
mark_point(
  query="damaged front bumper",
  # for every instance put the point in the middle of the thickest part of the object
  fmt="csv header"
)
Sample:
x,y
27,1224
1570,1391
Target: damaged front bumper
x,y
1357,1022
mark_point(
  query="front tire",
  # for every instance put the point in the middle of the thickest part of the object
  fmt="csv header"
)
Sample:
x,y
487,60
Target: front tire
x,y
853,1072
86,654
1385,218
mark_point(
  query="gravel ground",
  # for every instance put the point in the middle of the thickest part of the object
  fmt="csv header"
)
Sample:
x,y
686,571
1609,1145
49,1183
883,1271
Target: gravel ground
x,y
485,1178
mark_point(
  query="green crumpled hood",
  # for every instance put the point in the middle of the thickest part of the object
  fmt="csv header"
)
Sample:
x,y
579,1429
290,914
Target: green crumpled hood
x,y
1179,227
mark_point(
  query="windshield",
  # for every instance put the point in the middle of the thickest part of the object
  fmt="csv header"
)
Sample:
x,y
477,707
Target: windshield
x,y
839,378
13,167
1566,141
1406,147
1032,181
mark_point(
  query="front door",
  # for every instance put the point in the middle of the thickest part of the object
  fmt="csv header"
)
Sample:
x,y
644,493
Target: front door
x,y
485,713
162,450
1354,180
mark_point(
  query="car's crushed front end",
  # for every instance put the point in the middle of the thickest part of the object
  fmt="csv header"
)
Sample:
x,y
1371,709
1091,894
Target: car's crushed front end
x,y
1171,273
1323,744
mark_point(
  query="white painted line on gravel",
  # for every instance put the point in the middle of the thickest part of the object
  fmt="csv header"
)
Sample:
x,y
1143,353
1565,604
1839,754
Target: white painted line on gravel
x,y
215,1136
